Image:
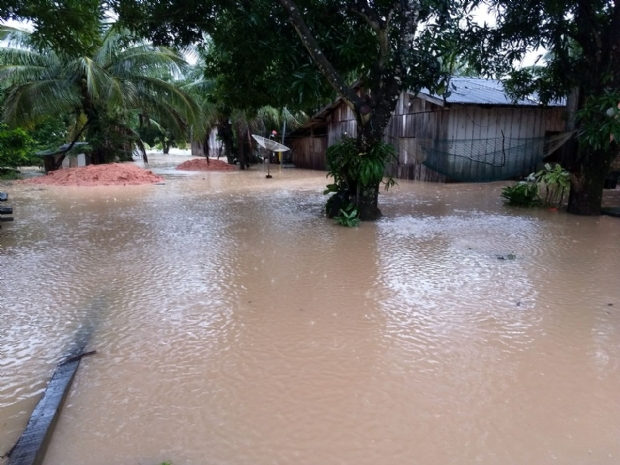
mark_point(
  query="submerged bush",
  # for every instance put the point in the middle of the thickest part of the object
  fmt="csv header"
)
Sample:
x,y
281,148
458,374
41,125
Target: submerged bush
x,y
348,217
523,194
555,183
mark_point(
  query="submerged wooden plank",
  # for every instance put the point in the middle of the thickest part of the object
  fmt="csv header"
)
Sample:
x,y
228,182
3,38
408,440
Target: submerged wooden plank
x,y
611,211
32,444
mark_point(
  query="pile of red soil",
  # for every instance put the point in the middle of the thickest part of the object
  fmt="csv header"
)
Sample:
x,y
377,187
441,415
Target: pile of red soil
x,y
114,174
200,164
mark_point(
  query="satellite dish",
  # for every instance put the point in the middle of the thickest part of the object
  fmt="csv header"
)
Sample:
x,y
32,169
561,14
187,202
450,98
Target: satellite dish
x,y
270,145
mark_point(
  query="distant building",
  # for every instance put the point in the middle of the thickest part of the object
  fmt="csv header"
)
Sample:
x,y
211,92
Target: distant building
x,y
57,159
474,110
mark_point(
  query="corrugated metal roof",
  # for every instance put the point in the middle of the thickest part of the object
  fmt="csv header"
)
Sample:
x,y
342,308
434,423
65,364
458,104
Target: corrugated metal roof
x,y
476,91
61,149
464,91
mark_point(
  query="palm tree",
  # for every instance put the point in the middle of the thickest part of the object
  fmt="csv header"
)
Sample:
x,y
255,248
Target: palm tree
x,y
99,92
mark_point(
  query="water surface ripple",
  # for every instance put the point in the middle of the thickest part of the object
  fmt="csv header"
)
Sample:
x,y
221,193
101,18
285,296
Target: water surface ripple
x,y
235,325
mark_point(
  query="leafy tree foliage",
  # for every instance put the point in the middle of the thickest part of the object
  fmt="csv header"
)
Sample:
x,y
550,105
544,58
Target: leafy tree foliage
x,y
70,26
15,147
583,43
251,54
50,134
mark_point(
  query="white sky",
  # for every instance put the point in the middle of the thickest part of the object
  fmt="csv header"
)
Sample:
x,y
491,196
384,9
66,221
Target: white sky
x,y
19,24
483,14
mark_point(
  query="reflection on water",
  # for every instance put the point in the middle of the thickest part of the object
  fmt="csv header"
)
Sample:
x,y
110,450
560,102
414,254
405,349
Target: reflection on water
x,y
235,325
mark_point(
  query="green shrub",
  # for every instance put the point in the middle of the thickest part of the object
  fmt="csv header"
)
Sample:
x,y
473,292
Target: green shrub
x,y
16,147
9,174
555,182
348,217
523,194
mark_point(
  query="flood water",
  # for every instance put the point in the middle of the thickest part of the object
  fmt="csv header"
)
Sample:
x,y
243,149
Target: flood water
x,y
235,325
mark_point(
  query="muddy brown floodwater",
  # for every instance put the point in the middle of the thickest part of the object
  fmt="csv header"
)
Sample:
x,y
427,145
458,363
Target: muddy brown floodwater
x,y
235,325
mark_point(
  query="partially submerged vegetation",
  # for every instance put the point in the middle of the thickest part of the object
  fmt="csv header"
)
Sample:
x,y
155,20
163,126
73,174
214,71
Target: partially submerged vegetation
x,y
545,188
356,176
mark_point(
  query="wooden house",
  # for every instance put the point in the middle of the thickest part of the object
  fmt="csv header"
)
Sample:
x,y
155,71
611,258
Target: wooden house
x,y
474,110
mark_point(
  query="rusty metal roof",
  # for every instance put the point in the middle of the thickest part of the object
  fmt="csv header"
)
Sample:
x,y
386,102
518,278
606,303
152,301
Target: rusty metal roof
x,y
476,91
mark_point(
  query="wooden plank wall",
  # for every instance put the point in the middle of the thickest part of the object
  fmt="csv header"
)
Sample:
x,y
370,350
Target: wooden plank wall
x,y
308,152
486,127
415,118
339,122
469,122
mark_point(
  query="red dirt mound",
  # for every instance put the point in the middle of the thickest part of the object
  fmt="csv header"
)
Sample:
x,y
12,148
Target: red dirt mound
x,y
114,174
200,164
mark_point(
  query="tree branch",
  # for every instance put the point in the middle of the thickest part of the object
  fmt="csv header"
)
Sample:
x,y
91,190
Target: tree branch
x,y
360,11
409,22
322,63
374,21
613,42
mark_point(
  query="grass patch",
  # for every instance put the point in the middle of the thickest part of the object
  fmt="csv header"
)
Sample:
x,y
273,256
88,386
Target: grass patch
x,y
8,174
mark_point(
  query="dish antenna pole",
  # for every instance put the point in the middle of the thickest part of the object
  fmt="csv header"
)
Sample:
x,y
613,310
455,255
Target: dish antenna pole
x,y
270,145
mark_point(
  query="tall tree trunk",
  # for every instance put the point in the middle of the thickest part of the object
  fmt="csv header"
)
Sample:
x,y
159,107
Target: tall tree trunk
x,y
586,191
240,147
568,152
370,127
226,134
368,203
206,148
588,167
372,110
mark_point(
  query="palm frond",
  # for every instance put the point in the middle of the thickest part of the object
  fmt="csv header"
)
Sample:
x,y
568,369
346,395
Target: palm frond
x,y
109,47
20,74
147,60
199,86
269,116
166,115
121,76
134,137
85,70
119,93
184,103
27,57
28,103
191,53
294,119
243,121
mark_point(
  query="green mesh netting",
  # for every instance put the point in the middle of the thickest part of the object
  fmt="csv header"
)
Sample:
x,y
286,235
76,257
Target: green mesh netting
x,y
483,160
